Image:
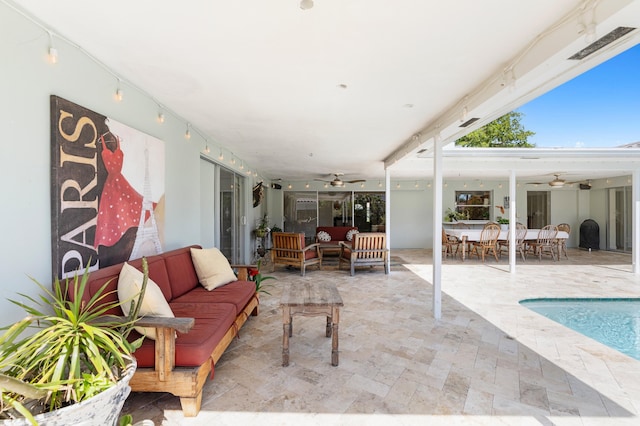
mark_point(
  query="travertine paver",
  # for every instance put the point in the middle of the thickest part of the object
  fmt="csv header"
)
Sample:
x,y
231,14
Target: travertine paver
x,y
488,360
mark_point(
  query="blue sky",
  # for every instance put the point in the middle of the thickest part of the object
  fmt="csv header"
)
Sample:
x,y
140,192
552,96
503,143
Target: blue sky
x,y
600,108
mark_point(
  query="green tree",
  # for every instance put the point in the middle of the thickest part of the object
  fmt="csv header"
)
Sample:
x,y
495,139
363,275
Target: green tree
x,y
504,132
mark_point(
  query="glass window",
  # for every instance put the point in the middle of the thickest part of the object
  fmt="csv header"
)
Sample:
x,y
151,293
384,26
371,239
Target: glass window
x,y
369,211
474,205
301,213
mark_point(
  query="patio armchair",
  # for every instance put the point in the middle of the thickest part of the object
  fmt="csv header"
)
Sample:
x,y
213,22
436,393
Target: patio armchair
x,y
289,249
366,249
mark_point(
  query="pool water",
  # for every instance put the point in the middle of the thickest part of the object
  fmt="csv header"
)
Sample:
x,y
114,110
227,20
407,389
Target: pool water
x,y
613,322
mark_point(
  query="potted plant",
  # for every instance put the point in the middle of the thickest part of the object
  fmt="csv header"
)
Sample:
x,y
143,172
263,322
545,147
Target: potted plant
x,y
504,223
263,227
78,358
256,276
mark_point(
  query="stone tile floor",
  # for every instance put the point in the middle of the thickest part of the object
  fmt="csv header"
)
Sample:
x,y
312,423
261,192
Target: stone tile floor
x,y
486,361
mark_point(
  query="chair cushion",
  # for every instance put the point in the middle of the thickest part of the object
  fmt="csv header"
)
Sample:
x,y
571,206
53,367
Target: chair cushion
x,y
212,267
153,302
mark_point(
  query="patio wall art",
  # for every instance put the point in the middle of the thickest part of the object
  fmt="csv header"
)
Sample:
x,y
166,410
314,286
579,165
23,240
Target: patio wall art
x,y
107,190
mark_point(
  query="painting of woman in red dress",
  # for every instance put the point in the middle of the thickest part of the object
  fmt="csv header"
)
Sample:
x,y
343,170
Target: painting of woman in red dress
x,y
120,213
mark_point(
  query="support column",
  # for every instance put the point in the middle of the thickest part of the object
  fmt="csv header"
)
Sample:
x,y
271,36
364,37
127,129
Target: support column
x,y
387,214
512,221
635,223
437,228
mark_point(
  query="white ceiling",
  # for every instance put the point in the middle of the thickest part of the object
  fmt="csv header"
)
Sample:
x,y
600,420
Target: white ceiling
x,y
347,86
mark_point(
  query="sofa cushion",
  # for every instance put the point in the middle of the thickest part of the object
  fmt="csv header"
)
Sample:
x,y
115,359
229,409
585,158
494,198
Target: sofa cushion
x,y
351,233
195,347
182,274
237,293
212,267
153,301
323,236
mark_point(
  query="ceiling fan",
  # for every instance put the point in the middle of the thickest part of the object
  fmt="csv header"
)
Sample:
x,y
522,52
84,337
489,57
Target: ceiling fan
x,y
556,182
337,182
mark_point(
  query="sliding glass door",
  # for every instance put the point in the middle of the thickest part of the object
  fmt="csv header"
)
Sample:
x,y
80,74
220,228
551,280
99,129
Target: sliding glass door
x,y
222,210
231,213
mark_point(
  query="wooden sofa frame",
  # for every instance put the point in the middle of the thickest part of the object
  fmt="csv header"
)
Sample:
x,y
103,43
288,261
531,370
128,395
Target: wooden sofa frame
x,y
185,382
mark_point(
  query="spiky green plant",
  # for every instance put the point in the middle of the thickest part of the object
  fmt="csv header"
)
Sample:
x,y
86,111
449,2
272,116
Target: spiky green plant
x,y
77,351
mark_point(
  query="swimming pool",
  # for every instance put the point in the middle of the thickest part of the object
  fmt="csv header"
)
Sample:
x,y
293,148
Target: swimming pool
x,y
613,322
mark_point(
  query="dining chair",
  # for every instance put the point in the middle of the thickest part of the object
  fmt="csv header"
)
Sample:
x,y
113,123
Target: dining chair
x,y
561,243
449,242
521,234
488,241
545,243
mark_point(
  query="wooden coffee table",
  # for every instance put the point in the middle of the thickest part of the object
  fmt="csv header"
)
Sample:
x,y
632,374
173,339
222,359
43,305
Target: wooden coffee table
x,y
310,299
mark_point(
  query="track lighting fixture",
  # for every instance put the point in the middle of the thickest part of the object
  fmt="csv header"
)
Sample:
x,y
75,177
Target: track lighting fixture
x,y
119,93
187,134
306,4
53,52
220,157
160,117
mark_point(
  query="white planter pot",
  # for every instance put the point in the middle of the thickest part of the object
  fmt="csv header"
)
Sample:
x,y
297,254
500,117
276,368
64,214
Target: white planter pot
x,y
101,410
504,227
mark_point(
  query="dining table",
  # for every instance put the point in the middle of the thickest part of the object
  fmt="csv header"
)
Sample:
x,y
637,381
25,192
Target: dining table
x,y
468,235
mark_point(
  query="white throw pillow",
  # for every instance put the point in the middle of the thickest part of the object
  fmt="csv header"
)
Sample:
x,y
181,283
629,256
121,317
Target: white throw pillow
x,y
153,303
324,236
212,267
351,233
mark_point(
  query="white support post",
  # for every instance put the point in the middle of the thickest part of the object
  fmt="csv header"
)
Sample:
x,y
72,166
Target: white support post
x,y
387,214
635,225
437,228
512,221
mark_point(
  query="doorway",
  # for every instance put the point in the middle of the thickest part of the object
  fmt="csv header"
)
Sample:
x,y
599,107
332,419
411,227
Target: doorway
x,y
231,212
538,209
619,215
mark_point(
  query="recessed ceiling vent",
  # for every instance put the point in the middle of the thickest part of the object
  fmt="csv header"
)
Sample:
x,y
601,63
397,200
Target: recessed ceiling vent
x,y
469,122
602,42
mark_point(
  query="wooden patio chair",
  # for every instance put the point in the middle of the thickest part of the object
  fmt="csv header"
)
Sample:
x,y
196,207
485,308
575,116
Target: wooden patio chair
x,y
521,234
289,249
366,249
545,243
561,243
488,241
449,243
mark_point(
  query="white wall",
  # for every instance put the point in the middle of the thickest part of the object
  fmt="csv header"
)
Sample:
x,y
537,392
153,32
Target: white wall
x,y
27,82
411,219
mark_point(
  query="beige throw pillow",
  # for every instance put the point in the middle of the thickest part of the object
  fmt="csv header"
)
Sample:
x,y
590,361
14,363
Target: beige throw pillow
x,y
212,267
153,303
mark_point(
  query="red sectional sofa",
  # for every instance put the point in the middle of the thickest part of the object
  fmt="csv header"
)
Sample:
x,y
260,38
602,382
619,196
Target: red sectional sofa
x,y
206,322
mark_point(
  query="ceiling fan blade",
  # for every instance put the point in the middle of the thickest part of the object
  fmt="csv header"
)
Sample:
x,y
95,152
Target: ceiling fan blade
x,y
322,180
355,181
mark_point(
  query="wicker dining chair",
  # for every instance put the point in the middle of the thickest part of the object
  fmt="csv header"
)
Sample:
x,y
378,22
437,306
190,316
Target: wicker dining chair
x,y
488,241
449,243
545,243
561,243
521,234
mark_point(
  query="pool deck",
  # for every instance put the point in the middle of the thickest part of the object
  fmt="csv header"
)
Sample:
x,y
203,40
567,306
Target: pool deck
x,y
487,361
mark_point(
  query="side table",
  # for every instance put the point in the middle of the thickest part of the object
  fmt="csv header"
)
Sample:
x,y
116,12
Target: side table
x,y
310,299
